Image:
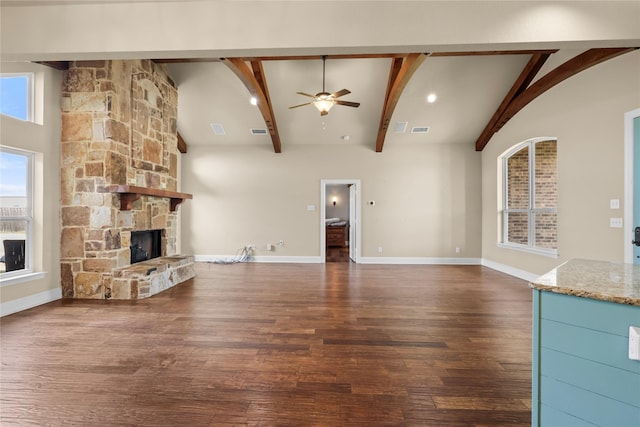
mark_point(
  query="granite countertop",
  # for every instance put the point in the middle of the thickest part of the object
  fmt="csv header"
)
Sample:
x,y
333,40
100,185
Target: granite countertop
x,y
601,280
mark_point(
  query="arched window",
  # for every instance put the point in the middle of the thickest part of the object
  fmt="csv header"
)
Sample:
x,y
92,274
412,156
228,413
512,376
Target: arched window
x,y
529,196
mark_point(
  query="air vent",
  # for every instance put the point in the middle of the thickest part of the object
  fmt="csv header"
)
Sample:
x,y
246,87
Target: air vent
x,y
217,128
258,131
420,129
400,127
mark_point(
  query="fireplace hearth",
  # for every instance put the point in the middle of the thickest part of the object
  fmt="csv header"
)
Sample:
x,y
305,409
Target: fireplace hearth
x,y
145,245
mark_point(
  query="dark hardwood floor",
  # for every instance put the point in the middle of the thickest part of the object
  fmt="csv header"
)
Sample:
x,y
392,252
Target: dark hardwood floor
x,y
336,344
337,254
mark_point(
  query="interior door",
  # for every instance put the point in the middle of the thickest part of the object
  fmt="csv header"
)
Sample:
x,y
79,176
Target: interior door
x,y
636,189
352,222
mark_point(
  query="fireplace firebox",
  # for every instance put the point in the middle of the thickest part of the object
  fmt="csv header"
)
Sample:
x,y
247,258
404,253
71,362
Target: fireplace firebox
x,y
145,245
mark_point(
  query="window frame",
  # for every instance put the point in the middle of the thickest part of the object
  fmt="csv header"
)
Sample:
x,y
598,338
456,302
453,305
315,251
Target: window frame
x,y
30,101
28,217
531,211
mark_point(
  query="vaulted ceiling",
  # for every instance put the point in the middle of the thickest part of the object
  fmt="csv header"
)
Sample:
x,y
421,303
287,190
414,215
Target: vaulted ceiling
x,y
484,60
477,93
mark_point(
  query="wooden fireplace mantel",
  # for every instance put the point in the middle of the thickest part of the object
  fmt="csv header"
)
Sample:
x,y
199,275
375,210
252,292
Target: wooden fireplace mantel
x,y
131,193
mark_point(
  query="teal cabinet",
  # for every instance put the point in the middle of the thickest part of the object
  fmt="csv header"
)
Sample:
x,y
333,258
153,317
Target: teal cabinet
x,y
582,375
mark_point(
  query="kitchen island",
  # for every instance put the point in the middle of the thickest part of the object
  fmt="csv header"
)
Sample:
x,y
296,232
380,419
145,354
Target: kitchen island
x,y
582,374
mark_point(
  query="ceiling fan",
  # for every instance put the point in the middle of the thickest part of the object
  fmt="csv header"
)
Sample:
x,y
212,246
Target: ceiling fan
x,y
323,101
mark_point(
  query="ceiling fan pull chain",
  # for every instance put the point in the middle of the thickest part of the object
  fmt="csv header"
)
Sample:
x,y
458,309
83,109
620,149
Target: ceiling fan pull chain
x,y
324,61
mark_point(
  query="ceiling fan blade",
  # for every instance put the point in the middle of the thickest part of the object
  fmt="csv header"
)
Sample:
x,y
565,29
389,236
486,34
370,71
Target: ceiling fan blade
x,y
340,93
306,94
300,105
347,103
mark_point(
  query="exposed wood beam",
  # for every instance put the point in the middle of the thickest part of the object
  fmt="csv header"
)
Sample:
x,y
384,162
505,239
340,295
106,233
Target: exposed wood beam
x,y
58,65
182,145
340,56
187,60
495,52
284,58
358,56
570,68
258,73
524,79
396,65
399,75
253,79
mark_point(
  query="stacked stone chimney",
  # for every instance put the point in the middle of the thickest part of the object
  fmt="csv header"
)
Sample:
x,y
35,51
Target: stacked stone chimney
x,y
118,128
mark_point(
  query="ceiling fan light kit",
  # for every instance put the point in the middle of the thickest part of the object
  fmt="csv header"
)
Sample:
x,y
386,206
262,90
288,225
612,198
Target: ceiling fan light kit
x,y
323,101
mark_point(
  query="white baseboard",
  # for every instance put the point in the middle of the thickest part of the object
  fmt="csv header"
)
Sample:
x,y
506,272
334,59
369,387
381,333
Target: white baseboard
x,y
420,260
512,271
31,301
265,259
291,259
361,260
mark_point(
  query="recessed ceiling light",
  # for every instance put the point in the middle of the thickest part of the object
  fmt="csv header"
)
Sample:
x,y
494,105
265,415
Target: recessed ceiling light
x,y
217,128
431,98
400,127
253,100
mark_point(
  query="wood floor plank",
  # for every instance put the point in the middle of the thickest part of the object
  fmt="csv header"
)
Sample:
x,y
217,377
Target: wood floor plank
x,y
336,344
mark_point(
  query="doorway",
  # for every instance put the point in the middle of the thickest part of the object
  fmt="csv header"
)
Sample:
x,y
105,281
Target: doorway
x,y
340,220
632,186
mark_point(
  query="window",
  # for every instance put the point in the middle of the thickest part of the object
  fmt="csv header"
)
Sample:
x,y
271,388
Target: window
x,y
16,212
529,196
16,96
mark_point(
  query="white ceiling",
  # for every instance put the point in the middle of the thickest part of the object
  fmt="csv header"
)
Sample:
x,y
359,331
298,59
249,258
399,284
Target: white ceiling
x,y
469,90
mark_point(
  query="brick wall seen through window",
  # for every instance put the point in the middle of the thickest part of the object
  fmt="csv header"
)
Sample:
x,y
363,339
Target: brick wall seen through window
x,y
530,195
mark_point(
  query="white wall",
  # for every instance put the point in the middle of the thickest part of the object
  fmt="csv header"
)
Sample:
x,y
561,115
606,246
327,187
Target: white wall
x,y
253,28
44,139
586,114
341,209
427,198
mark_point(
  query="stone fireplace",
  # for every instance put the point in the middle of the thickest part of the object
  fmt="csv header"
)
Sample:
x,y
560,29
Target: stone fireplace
x,y
118,177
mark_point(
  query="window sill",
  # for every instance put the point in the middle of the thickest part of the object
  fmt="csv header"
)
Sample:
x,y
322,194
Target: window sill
x,y
534,251
25,277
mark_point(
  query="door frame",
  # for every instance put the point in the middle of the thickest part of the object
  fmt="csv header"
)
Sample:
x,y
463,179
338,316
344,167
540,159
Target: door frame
x,y
323,214
628,183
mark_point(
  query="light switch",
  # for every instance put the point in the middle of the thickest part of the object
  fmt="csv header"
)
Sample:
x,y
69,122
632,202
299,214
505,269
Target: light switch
x,y
615,222
614,203
311,208
634,342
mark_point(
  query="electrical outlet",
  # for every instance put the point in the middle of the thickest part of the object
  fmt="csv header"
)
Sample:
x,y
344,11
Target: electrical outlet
x,y
269,247
614,204
615,222
457,250
634,342
280,242
379,249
